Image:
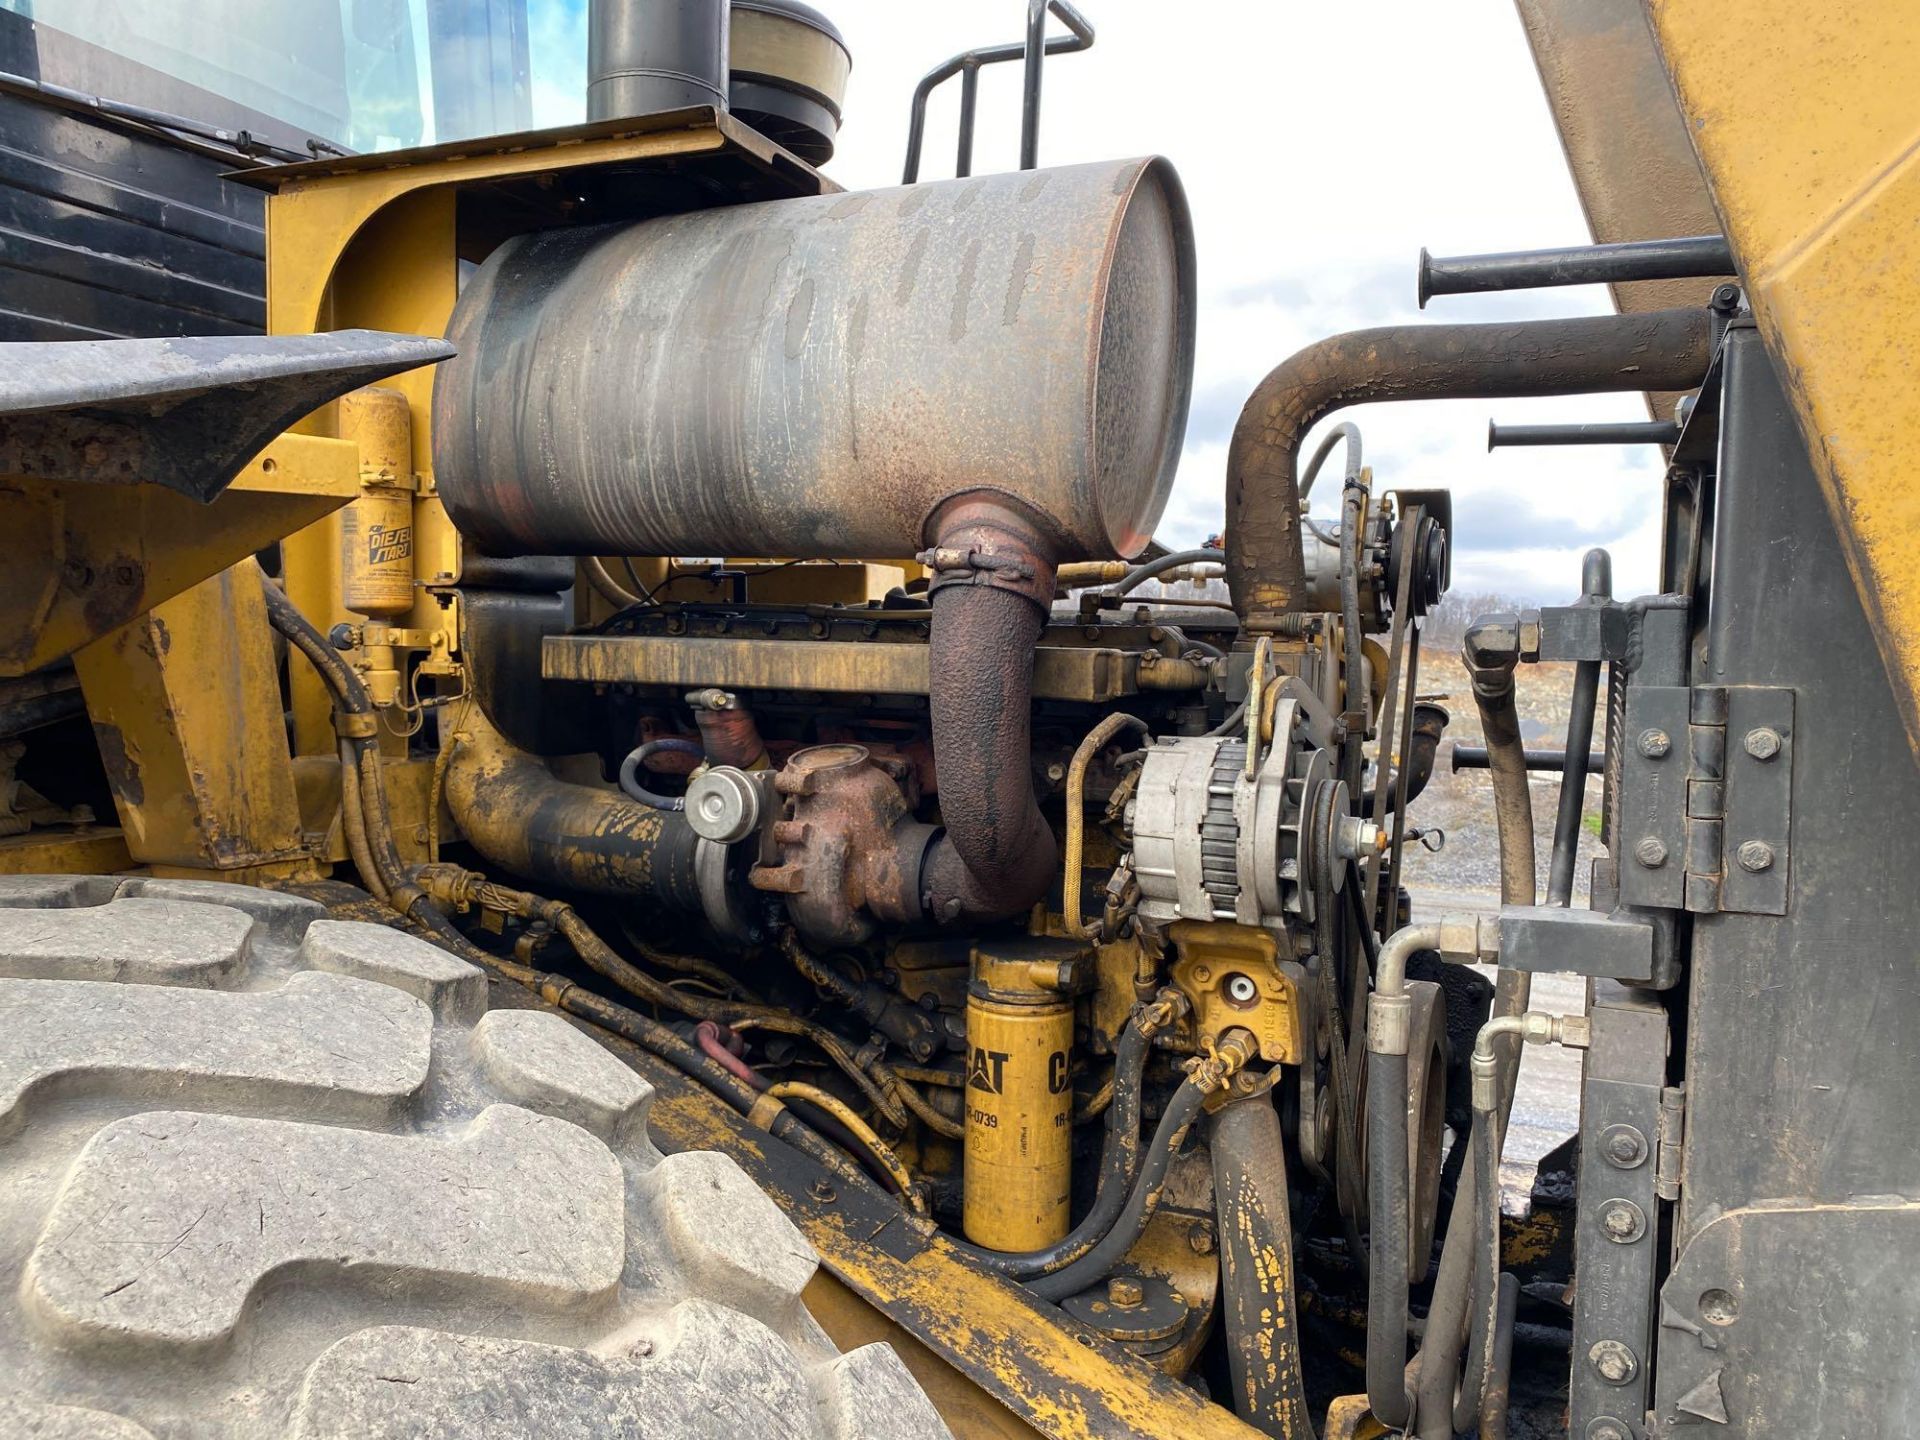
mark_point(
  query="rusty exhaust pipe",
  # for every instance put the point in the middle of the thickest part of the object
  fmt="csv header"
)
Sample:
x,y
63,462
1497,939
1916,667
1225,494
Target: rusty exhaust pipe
x,y
1266,575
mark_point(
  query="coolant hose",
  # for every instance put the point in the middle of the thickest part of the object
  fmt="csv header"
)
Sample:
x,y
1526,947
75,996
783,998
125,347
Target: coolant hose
x,y
1098,1262
1266,571
1257,1301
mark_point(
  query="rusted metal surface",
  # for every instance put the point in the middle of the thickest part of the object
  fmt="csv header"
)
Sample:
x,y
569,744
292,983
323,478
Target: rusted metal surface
x,y
850,850
522,817
1665,350
828,370
993,582
1091,674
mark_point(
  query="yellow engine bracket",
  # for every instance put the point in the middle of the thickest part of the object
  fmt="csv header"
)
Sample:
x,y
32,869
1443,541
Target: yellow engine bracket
x,y
1805,125
1236,980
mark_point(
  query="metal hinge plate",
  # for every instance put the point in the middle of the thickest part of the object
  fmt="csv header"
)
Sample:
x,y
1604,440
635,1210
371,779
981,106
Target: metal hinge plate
x,y
1670,1145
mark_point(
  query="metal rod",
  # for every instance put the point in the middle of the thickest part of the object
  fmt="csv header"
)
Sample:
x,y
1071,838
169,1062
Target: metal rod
x,y
967,65
969,102
1630,432
1474,757
1680,259
1596,585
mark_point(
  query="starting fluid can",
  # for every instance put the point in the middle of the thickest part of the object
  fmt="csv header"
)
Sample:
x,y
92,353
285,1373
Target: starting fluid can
x,y
1019,1141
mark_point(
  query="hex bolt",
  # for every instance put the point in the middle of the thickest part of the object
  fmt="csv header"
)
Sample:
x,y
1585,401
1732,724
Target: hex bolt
x,y
1622,1221
1755,856
1605,1427
1651,852
1623,1145
1613,1362
1125,1291
823,1192
1200,1237
1763,743
1655,743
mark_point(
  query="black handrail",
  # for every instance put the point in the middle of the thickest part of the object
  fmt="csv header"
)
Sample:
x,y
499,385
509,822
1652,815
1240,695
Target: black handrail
x,y
967,66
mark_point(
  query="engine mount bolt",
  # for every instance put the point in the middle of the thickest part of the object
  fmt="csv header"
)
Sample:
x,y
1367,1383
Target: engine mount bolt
x,y
1763,743
1623,1221
1755,856
1125,1291
1655,743
1623,1145
1605,1427
1613,1362
1651,852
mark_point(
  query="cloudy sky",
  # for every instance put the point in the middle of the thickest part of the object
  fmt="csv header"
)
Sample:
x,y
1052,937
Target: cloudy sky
x,y
1321,147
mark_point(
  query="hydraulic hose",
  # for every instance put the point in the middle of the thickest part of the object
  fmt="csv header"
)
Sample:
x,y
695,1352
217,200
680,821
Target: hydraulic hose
x,y
1098,1262
380,862
1070,896
1257,1300
1176,560
1484,1323
630,773
1346,430
1389,1022
1118,1158
1266,571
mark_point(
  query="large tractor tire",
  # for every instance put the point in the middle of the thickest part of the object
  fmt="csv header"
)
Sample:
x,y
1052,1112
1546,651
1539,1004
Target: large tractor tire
x,y
267,1173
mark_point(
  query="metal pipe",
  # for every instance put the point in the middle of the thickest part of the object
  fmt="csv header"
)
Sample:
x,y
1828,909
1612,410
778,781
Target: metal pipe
x,y
1476,757
645,56
1596,585
1686,258
1629,432
1070,896
1389,1024
992,588
517,813
1266,570
1257,1302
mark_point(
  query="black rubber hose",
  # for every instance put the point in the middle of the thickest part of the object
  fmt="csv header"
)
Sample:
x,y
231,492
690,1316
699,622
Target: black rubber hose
x,y
1177,560
1494,1404
638,756
1387,1236
1353,501
1257,1303
1093,1267
1118,1159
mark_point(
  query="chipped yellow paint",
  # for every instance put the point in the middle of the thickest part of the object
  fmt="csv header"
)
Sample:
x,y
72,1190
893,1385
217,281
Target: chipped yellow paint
x,y
1804,121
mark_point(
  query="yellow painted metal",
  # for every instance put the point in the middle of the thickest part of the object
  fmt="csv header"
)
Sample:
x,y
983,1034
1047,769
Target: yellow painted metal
x,y
96,850
1019,1146
1009,1346
77,560
1210,953
1804,120
186,708
849,667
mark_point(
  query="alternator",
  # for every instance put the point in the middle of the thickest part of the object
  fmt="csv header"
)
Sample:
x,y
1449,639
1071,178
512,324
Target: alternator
x,y
1213,842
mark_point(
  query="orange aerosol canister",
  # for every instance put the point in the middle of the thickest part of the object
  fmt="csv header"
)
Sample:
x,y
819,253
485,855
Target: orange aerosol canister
x,y
1019,1141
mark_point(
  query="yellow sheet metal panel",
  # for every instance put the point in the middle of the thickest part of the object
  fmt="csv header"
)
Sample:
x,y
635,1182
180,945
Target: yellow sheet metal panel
x,y
1804,120
185,704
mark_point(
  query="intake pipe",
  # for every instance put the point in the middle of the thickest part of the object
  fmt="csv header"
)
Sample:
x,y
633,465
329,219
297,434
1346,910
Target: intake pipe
x,y
1266,572
525,819
994,578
